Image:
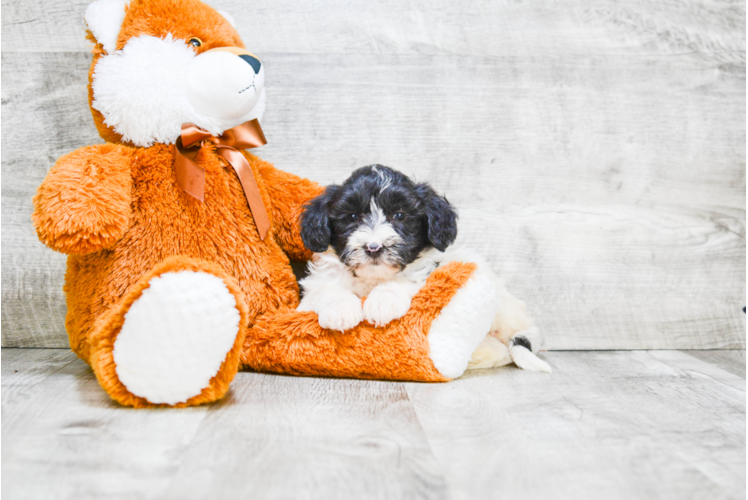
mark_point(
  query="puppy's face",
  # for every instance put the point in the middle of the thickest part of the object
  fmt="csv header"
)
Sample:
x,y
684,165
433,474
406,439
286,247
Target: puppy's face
x,y
378,221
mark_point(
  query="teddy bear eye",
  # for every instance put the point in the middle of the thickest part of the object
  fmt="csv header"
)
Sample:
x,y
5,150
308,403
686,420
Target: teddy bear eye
x,y
195,42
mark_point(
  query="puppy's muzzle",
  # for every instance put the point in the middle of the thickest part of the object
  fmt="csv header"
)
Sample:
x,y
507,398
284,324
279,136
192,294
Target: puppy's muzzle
x,y
374,249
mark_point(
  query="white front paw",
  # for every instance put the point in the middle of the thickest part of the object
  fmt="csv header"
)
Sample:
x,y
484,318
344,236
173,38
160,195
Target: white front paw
x,y
385,304
341,315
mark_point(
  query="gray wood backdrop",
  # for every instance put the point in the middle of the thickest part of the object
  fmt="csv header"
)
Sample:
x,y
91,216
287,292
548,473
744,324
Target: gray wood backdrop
x,y
596,150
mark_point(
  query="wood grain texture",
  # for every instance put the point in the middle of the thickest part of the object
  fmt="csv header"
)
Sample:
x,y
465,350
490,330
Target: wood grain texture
x,y
22,369
45,115
630,425
310,438
67,439
483,27
596,152
732,361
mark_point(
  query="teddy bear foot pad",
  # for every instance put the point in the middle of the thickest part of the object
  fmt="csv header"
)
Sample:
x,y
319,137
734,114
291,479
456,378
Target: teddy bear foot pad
x,y
176,336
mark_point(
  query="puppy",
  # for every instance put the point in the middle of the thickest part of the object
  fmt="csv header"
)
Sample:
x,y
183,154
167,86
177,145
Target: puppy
x,y
379,235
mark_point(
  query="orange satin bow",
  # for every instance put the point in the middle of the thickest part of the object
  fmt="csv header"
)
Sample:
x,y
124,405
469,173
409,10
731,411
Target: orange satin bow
x,y
191,177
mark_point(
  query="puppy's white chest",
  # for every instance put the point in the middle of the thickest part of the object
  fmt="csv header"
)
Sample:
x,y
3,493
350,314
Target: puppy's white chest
x,y
362,287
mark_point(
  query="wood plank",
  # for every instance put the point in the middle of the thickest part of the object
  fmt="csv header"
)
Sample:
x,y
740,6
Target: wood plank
x,y
437,27
732,361
22,369
602,264
285,437
629,425
23,22
620,277
68,432
44,99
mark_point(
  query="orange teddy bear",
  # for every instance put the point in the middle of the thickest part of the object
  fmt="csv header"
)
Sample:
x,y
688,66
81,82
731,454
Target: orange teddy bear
x,y
179,241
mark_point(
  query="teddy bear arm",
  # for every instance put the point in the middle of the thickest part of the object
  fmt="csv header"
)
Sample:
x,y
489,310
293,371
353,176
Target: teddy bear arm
x,y
83,205
288,193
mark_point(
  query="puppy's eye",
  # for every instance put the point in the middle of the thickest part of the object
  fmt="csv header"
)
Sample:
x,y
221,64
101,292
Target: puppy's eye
x,y
195,42
351,217
398,216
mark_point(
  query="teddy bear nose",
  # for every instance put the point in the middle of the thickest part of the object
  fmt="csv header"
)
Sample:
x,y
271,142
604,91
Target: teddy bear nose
x,y
252,61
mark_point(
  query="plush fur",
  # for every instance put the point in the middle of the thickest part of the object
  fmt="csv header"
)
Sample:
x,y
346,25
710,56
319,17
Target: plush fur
x,y
153,84
167,325
99,350
293,342
118,213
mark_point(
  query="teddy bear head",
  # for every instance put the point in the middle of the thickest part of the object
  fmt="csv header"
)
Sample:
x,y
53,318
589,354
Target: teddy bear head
x,y
161,63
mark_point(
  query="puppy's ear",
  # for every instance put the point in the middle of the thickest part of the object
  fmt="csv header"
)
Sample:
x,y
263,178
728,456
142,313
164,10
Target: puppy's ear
x,y
316,231
441,217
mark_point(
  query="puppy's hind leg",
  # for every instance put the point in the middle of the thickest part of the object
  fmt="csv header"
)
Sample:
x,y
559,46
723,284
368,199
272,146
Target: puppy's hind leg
x,y
489,354
514,327
512,336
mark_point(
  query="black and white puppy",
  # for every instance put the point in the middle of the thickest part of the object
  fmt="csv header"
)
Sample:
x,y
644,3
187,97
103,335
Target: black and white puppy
x,y
379,235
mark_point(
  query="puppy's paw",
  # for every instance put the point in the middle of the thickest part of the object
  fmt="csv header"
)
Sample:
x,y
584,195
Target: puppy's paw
x,y
386,303
342,315
521,350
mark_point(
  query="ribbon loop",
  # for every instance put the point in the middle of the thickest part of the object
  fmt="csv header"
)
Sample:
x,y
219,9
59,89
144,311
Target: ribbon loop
x,y
191,177
191,134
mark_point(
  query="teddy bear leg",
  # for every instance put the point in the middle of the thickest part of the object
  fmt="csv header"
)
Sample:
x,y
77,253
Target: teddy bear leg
x,y
433,342
462,325
174,339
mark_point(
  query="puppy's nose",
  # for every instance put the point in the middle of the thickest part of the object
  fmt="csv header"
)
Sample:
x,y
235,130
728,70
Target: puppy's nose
x,y
252,61
373,248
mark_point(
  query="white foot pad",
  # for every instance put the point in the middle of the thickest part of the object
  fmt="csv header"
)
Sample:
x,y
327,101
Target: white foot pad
x,y
176,336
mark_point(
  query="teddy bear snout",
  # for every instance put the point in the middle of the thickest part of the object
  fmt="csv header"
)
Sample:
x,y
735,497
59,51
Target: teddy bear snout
x,y
225,83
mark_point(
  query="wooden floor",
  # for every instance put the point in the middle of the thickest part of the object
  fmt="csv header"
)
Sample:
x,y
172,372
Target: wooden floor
x,y
604,425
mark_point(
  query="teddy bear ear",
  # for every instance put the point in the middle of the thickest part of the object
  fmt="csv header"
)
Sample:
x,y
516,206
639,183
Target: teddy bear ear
x,y
104,19
228,17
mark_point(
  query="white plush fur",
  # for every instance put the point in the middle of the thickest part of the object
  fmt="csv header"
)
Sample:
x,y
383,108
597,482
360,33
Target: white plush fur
x,y
147,90
222,86
463,324
176,336
104,19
